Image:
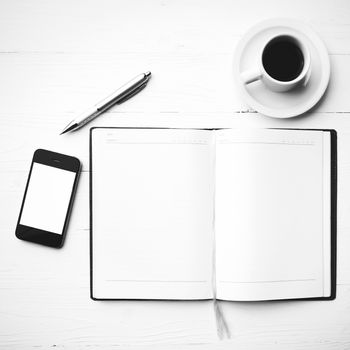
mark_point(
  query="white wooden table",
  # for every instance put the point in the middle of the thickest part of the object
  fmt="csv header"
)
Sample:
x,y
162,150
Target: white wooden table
x,y
58,57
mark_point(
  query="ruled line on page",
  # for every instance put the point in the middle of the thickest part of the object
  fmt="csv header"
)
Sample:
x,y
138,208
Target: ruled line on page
x,y
273,281
266,143
157,143
156,281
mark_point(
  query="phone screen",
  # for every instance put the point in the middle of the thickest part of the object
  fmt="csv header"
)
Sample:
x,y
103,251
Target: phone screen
x,y
47,198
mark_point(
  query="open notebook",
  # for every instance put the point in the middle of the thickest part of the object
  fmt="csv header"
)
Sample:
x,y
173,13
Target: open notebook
x,y
199,214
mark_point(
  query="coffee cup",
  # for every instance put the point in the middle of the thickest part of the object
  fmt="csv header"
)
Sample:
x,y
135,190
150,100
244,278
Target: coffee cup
x,y
284,64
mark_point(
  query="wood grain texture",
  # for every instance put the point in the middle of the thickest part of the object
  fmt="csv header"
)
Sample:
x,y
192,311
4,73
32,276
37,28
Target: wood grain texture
x,y
58,57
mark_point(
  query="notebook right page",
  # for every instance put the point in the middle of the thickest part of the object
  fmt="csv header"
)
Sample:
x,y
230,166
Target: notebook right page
x,y
272,214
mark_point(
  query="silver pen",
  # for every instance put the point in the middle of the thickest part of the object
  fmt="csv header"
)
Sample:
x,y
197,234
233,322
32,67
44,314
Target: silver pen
x,y
125,92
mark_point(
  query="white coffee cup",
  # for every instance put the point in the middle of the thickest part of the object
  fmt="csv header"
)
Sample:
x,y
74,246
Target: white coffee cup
x,y
273,82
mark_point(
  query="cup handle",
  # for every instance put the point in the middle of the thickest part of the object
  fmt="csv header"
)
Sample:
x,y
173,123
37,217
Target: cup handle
x,y
250,76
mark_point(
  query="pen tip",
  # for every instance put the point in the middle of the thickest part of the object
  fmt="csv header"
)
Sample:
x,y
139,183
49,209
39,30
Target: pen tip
x,y
148,74
71,126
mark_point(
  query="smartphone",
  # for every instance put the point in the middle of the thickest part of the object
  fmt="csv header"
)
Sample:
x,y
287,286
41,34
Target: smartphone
x,y
48,198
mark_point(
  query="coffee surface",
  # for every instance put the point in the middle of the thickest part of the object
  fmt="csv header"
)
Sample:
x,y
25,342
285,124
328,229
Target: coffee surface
x,y
282,59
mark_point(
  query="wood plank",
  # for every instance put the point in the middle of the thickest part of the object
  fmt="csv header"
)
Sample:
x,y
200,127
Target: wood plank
x,y
157,25
55,87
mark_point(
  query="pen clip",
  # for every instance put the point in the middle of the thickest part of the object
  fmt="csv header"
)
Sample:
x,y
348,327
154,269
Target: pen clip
x,y
133,93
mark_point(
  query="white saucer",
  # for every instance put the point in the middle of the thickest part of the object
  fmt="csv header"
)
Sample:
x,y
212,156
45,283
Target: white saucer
x,y
281,104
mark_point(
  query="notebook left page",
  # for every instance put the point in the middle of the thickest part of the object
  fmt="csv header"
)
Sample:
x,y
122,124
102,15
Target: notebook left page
x,y
152,213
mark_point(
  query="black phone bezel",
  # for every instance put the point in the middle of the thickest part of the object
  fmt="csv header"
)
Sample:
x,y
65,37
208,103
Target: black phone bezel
x,y
60,161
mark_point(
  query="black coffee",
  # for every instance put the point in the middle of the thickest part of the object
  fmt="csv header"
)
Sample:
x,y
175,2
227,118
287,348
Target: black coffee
x,y
282,59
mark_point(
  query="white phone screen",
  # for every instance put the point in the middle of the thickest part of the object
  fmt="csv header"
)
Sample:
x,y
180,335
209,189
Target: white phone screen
x,y
47,199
